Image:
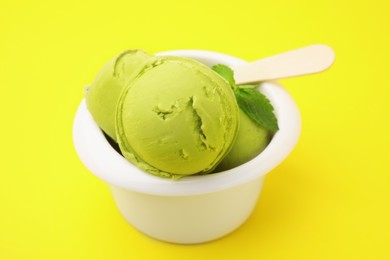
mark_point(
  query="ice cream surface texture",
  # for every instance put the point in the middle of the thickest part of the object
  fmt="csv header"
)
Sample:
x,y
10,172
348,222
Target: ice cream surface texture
x,y
177,118
103,94
251,140
174,116
171,116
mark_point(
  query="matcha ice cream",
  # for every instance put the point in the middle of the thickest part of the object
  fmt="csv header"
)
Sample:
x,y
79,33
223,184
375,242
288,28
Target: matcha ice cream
x,y
103,94
171,116
258,122
174,116
251,140
178,118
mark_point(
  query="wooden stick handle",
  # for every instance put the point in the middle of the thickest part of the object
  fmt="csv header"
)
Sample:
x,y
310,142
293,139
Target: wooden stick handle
x,y
307,60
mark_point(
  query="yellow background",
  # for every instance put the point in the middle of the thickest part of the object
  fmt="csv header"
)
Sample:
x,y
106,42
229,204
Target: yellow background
x,y
328,200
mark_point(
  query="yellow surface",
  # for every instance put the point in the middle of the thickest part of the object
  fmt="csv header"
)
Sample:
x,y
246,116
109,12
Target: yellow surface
x,y
328,200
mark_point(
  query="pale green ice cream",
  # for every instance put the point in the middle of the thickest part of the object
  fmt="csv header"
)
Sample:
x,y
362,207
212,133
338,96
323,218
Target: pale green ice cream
x,y
177,118
172,116
251,140
103,94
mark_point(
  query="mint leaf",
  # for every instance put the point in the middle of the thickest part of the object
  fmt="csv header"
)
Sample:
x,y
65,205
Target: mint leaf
x,y
257,107
247,86
252,102
225,72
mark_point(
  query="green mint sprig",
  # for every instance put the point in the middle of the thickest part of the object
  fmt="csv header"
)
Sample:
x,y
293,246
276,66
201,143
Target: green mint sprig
x,y
254,104
226,73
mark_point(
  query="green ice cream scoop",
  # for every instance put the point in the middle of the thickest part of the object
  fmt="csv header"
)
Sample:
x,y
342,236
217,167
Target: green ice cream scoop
x,y
177,118
251,140
103,94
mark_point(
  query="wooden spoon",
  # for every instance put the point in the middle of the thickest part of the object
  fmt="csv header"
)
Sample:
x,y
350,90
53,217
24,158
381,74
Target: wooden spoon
x,y
306,60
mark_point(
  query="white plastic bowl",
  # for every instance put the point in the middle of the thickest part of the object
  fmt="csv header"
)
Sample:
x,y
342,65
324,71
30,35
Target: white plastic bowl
x,y
194,209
